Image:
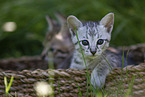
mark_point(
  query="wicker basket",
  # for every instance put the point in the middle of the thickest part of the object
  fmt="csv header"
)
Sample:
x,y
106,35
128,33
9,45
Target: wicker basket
x,y
70,79
119,82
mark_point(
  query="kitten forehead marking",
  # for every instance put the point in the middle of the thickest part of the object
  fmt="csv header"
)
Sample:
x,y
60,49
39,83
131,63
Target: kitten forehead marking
x,y
93,30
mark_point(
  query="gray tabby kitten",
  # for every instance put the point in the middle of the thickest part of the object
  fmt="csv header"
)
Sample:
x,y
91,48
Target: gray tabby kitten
x,y
94,39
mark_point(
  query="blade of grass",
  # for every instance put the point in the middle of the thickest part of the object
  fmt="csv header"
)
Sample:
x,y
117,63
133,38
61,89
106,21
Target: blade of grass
x,y
59,89
81,48
8,86
99,94
107,62
80,93
51,73
126,68
15,94
88,77
122,88
130,87
141,77
127,56
83,59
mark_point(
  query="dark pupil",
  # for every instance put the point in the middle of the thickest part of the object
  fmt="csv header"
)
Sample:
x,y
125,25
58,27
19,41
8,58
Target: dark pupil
x,y
100,41
85,42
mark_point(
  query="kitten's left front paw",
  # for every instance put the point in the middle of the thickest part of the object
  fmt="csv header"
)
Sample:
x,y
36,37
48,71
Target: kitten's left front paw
x,y
96,80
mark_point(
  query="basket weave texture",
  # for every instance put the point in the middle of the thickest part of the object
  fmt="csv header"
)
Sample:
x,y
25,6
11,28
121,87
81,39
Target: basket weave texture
x,y
70,79
66,81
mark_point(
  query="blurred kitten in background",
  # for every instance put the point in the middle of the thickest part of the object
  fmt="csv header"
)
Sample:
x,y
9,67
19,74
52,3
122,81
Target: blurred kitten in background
x,y
57,44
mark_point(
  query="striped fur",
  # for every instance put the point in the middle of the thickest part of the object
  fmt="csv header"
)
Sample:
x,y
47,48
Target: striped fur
x,y
95,53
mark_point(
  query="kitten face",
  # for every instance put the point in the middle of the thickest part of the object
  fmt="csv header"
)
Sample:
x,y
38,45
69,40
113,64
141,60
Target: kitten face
x,y
93,37
94,40
57,44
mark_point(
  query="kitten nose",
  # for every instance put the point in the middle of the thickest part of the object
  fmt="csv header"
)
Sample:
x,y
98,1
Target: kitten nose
x,y
93,51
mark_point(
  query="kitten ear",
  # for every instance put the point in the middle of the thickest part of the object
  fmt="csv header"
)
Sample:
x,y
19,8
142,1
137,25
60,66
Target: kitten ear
x,y
108,22
60,17
73,22
50,23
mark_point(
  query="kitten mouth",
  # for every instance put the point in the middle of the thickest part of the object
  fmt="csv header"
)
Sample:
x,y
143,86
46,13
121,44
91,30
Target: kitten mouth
x,y
92,56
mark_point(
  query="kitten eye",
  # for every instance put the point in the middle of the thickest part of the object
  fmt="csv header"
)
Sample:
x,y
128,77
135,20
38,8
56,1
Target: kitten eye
x,y
100,41
85,42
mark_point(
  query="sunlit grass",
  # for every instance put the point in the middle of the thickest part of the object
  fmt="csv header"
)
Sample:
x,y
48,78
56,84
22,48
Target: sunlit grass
x,y
8,86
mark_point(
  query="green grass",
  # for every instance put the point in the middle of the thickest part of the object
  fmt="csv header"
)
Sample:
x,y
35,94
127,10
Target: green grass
x,y
87,74
31,24
8,86
51,73
120,91
89,88
130,88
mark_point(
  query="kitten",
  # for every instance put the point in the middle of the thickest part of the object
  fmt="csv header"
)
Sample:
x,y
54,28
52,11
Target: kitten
x,y
94,39
58,43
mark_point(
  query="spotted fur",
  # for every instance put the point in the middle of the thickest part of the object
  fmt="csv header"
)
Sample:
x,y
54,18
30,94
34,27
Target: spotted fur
x,y
93,33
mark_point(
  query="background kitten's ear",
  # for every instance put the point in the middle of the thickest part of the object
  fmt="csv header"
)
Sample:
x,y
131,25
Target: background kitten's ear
x,y
73,22
61,18
108,22
62,22
50,23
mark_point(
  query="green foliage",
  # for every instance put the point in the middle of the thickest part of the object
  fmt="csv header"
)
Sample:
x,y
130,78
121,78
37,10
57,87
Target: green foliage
x,y
8,86
29,15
